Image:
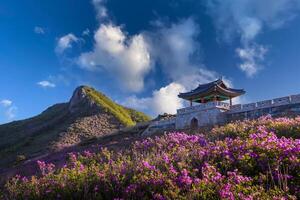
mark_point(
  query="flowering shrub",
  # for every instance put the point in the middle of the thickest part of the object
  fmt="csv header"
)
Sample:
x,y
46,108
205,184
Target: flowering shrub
x,y
288,127
259,165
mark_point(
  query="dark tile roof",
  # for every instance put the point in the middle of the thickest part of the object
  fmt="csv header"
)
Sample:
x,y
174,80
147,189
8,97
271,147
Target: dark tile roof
x,y
217,86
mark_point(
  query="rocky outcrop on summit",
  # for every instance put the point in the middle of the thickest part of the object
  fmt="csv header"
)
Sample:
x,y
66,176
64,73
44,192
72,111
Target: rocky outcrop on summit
x,y
80,102
88,114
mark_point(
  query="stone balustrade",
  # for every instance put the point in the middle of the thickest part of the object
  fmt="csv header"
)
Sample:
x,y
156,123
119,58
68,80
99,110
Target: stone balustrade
x,y
205,106
265,104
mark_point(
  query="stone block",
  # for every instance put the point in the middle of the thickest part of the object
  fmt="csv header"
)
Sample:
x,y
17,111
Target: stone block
x,y
295,98
236,107
266,103
282,100
249,106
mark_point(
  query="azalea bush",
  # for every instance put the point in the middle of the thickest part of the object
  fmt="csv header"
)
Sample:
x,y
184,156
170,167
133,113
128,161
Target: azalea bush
x,y
288,127
259,165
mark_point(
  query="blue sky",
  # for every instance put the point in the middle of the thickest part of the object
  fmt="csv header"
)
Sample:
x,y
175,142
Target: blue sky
x,y
142,53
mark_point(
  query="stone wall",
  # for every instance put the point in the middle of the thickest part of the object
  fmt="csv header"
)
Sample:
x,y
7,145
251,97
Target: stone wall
x,y
265,104
205,114
160,125
213,113
284,106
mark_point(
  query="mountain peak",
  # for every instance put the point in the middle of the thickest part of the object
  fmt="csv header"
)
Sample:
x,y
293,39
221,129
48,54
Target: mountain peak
x,y
80,100
88,114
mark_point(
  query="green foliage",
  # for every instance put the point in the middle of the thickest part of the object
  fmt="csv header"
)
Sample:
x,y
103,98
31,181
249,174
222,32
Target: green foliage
x,y
20,158
138,116
128,117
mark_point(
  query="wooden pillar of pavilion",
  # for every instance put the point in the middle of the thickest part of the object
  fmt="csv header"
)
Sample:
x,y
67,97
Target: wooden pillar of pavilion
x,y
191,102
230,100
202,100
215,98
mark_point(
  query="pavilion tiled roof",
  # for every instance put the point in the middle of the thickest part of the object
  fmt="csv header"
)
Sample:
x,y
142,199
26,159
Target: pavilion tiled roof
x,y
215,87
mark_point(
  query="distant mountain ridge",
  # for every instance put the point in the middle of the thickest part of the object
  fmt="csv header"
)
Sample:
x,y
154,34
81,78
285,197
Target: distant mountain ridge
x,y
87,115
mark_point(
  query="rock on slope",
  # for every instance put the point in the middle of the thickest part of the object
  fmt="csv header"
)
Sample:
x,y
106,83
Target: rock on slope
x,y
87,115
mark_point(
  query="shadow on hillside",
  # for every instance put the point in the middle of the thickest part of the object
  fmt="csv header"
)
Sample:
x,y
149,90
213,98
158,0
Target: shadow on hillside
x,y
114,141
119,140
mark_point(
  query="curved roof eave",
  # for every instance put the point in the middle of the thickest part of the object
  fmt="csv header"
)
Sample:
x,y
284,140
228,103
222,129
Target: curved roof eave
x,y
209,88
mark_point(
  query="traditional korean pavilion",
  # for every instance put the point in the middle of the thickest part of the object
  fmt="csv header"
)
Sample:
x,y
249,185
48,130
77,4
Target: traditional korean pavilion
x,y
213,91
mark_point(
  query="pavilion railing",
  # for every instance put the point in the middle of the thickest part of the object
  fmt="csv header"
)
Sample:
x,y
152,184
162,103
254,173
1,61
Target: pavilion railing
x,y
209,105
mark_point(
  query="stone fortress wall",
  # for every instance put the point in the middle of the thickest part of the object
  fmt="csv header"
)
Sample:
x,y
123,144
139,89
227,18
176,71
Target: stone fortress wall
x,y
214,113
204,114
289,105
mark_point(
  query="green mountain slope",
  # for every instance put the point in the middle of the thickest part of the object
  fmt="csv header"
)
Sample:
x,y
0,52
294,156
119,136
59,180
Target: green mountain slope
x,y
127,116
87,115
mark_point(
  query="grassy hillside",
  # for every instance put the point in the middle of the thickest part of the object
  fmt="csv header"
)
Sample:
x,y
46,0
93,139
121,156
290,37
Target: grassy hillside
x,y
22,138
128,117
19,127
57,127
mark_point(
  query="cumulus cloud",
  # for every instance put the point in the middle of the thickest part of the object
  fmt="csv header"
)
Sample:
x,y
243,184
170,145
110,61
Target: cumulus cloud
x,y
130,58
46,84
39,30
6,102
251,56
127,57
164,100
175,48
66,42
247,19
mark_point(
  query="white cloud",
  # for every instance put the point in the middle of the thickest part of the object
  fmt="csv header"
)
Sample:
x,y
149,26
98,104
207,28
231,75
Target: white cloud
x,y
249,18
100,9
46,84
66,42
164,100
129,58
176,49
251,56
11,112
39,30
86,32
125,57
6,102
